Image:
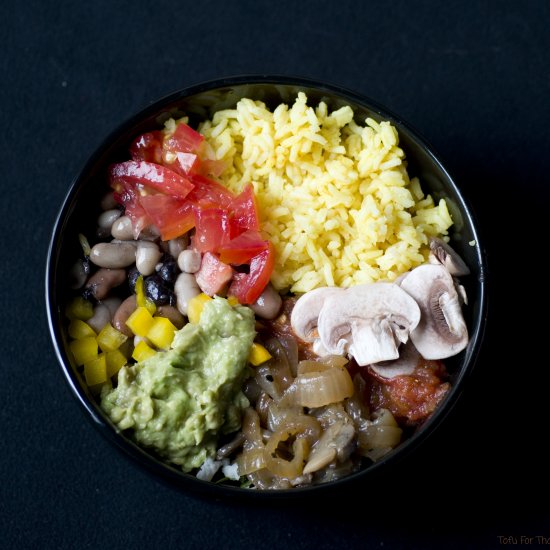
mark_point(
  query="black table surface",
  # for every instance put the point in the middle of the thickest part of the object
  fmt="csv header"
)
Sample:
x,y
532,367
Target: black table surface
x,y
473,77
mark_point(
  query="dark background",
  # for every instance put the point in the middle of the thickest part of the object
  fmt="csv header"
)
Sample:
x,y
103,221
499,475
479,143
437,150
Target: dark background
x,y
473,77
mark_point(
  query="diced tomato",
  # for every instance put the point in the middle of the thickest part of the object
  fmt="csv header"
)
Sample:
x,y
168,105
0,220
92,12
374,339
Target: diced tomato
x,y
243,248
151,175
186,163
184,139
173,217
127,195
212,229
213,275
208,193
245,212
148,147
213,167
247,287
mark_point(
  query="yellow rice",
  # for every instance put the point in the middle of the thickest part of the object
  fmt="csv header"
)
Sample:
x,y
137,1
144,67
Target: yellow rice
x,y
335,198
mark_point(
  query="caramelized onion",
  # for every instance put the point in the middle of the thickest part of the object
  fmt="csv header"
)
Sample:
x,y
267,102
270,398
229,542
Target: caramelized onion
x,y
280,466
375,437
315,389
250,460
307,426
274,376
380,435
290,346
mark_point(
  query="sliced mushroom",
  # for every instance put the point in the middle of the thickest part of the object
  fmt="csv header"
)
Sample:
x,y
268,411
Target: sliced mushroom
x,y
442,253
368,321
403,366
306,311
442,331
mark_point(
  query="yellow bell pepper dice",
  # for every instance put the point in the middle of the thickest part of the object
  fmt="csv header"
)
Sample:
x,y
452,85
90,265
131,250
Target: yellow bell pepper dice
x,y
140,321
109,338
258,354
79,308
233,301
142,351
195,307
79,329
84,350
115,361
95,371
161,332
141,297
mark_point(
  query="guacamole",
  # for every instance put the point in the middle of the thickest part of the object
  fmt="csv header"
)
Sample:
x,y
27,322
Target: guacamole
x,y
178,402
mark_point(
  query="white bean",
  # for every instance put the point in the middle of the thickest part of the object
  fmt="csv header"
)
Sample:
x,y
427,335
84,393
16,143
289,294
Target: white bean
x,y
175,246
113,255
107,218
149,233
103,280
108,201
186,287
112,303
189,261
122,229
147,256
121,315
268,304
100,318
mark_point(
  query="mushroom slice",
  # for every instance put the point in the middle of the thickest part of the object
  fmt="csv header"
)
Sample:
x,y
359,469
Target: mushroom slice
x,y
368,321
442,253
306,311
403,366
442,331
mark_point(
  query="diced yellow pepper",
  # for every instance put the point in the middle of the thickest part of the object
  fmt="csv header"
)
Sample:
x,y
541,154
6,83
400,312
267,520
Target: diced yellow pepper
x,y
95,371
161,332
79,329
140,321
109,338
79,308
142,351
84,350
141,297
195,307
232,301
258,354
115,361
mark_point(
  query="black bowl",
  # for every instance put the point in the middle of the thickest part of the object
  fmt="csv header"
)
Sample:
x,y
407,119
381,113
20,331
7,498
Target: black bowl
x,y
199,102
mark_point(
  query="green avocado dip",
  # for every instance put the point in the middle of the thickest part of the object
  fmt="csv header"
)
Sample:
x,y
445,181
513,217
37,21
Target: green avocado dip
x,y
178,402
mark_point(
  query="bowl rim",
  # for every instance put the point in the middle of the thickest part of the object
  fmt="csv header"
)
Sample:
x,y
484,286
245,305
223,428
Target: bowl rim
x,y
171,473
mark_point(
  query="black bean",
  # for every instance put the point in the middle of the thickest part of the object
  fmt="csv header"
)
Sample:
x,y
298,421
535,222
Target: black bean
x,y
133,275
169,269
157,291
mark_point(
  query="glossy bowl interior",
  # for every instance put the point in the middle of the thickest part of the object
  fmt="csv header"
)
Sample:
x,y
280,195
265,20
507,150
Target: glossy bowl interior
x,y
80,209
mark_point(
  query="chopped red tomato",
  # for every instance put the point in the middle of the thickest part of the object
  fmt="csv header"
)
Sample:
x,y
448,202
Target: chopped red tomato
x,y
243,248
150,175
213,275
247,287
245,212
211,229
173,217
184,139
208,193
148,147
128,196
185,163
213,167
